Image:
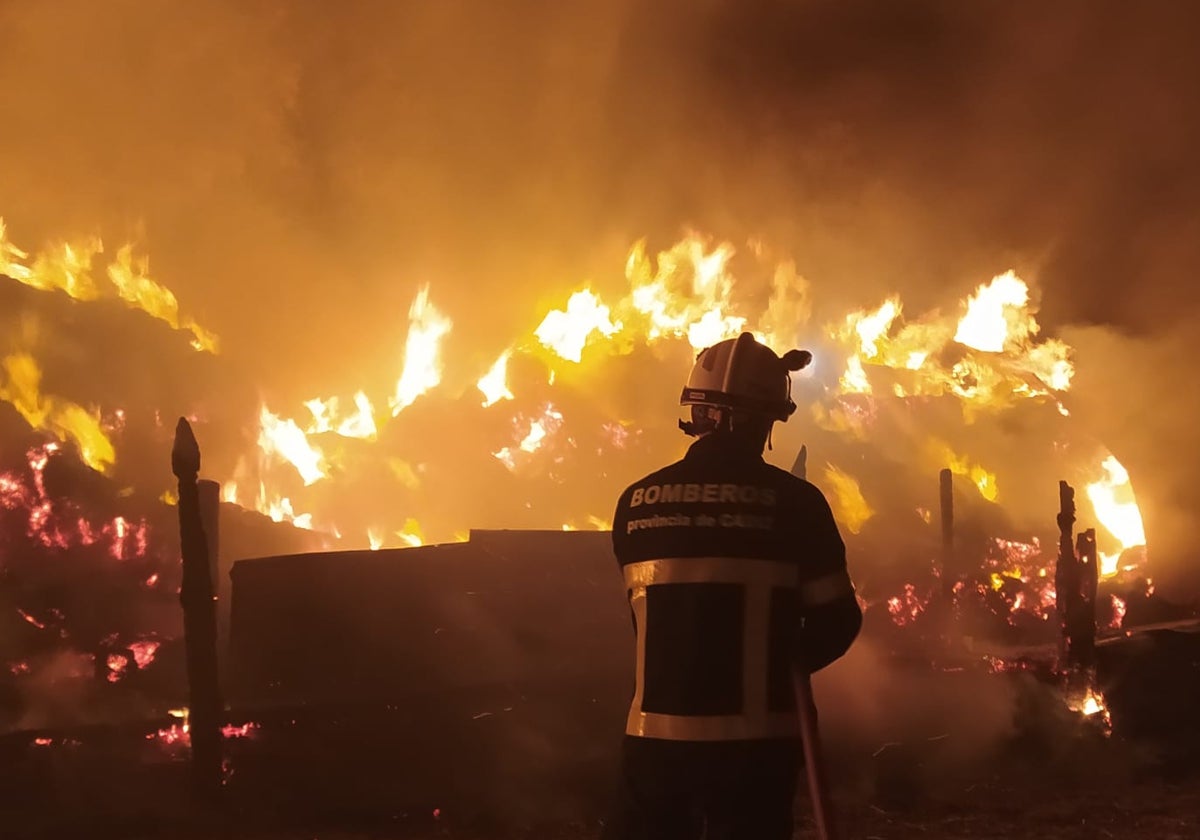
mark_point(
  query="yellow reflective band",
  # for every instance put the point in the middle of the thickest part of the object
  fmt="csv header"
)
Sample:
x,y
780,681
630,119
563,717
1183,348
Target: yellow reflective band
x,y
827,589
758,577
710,570
711,727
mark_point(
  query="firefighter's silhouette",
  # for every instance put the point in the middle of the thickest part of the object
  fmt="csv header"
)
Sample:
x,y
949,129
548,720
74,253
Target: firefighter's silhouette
x,y
736,574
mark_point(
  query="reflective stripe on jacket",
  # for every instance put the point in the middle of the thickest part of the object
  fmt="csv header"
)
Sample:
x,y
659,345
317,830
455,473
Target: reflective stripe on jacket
x,y
722,556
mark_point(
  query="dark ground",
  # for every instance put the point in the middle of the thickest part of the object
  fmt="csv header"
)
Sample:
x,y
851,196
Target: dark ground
x,y
537,760
1077,785
1149,811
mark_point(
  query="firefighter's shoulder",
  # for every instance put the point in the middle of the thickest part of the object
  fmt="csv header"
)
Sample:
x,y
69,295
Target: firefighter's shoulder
x,y
797,490
664,475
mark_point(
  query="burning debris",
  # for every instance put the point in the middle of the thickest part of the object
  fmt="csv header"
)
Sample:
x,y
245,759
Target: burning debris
x,y
894,397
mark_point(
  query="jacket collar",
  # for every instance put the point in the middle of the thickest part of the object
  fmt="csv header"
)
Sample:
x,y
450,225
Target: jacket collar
x,y
718,444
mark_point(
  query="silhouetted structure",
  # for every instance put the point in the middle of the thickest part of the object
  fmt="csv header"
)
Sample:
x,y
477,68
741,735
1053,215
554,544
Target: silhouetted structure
x,y
199,619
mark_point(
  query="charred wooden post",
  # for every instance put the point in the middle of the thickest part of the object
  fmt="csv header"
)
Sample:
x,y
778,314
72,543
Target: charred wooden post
x,y
1082,617
210,518
1066,571
199,619
949,568
800,465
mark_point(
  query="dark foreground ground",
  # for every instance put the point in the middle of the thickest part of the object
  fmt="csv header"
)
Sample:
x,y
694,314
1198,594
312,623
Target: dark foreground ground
x,y
1082,787
990,757
1147,811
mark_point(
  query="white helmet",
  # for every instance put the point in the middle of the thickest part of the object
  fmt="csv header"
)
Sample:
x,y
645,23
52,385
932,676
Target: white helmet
x,y
743,375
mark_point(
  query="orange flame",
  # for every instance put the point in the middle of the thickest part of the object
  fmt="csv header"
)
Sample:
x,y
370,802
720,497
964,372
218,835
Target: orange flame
x,y
494,384
289,442
20,384
850,507
68,268
422,354
1115,506
567,332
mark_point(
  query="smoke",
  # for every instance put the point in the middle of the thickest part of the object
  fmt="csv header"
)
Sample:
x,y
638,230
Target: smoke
x,y
900,732
297,172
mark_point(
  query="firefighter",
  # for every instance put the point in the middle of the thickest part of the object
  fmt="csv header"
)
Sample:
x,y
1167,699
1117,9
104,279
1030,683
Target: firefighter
x,y
735,574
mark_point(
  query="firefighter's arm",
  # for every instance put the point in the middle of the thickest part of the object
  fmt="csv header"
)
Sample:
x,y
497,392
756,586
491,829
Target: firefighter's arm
x,y
830,615
619,537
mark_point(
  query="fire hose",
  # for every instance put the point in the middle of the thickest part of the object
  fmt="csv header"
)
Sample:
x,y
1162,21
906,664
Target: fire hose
x,y
814,759
806,707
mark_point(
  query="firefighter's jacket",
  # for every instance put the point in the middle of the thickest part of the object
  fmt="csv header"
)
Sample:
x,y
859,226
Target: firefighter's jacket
x,y
735,573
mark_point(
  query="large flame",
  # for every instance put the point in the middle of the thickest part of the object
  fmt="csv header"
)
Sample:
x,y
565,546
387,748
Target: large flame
x,y
1003,360
684,292
850,507
20,385
131,277
987,359
283,438
995,315
327,417
1113,501
67,267
494,384
566,332
422,352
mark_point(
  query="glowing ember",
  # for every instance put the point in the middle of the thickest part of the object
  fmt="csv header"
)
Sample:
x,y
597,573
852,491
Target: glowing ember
x,y
29,618
179,734
144,651
117,664
58,524
422,359
246,730
908,607
539,430
567,332
1119,609
1091,705
174,734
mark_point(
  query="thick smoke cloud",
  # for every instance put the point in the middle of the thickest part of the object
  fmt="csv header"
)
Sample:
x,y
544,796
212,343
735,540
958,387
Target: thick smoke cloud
x,y
296,171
